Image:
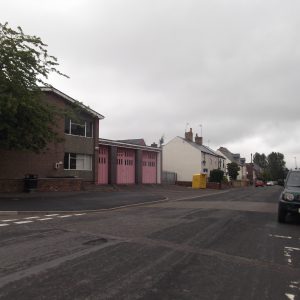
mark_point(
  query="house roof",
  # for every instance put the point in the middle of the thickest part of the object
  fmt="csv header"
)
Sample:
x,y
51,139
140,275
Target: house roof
x,y
71,100
202,148
233,157
140,142
128,145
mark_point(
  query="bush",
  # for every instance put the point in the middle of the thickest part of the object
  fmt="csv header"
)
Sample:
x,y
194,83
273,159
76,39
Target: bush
x,y
233,170
216,175
224,179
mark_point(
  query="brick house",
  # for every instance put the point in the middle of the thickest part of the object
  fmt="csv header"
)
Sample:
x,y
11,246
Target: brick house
x,y
60,164
253,172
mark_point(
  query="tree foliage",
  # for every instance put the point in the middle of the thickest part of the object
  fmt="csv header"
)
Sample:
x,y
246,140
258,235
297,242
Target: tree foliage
x,y
26,122
276,165
216,175
233,170
273,166
260,160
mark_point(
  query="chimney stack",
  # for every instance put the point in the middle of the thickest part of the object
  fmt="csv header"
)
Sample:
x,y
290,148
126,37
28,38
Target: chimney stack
x,y
189,135
198,139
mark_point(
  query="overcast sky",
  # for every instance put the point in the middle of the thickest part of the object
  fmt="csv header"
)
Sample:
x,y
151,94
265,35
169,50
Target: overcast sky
x,y
159,67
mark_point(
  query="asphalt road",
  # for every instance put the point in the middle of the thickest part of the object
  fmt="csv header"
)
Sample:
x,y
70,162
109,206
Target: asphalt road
x,y
223,246
93,200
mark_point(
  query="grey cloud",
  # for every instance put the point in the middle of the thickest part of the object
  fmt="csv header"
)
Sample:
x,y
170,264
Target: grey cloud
x,y
152,66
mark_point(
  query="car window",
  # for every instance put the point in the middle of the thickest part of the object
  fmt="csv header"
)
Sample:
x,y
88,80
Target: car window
x,y
294,179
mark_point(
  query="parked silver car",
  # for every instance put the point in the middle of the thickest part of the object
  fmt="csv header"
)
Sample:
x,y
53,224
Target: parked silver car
x,y
289,201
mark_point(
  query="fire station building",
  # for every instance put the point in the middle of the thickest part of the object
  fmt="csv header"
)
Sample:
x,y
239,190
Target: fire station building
x,y
128,162
81,158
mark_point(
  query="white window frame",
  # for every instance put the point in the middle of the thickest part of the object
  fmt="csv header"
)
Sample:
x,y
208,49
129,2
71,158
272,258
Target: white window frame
x,y
87,161
82,125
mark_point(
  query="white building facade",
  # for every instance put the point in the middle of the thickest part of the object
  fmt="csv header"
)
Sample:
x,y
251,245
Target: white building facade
x,y
229,158
187,157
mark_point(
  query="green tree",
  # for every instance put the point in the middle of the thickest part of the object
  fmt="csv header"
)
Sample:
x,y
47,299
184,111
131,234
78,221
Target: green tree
x,y
276,166
216,175
260,160
265,175
233,170
26,122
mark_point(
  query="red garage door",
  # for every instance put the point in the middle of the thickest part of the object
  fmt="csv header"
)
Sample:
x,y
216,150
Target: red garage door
x,y
149,167
103,165
125,166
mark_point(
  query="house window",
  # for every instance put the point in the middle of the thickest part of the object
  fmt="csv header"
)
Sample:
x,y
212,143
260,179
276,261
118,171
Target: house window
x,y
81,128
74,161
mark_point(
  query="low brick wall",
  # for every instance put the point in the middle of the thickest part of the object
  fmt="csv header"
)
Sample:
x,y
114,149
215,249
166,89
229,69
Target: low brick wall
x,y
225,186
43,185
184,183
218,186
213,185
11,185
209,185
240,183
59,184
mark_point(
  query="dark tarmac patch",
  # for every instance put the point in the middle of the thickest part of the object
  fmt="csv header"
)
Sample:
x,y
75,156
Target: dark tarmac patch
x,y
95,242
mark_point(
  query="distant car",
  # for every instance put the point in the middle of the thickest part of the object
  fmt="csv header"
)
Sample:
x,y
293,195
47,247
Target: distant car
x,y
259,183
289,201
269,183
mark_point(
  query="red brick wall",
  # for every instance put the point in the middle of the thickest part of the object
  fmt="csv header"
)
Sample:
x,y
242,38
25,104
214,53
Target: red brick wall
x,y
240,183
213,185
44,185
11,185
59,185
16,164
218,186
184,183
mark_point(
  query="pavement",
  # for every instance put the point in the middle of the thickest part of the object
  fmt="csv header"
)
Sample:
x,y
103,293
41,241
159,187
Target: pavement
x,y
93,200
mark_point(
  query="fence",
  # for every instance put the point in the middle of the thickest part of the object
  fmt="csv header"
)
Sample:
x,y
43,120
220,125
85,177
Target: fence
x,y
169,177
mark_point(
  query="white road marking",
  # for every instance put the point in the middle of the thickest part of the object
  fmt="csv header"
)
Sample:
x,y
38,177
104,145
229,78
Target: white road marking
x,y
280,236
37,218
288,253
290,296
52,215
294,285
23,222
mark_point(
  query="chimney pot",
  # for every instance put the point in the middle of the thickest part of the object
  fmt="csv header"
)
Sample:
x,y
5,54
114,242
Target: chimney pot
x,y
189,135
198,140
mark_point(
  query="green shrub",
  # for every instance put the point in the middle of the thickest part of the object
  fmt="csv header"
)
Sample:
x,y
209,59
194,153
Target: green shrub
x,y
225,179
216,175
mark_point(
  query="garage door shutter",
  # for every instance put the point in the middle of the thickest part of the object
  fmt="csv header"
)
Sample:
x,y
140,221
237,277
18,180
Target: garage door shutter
x,y
149,166
125,166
